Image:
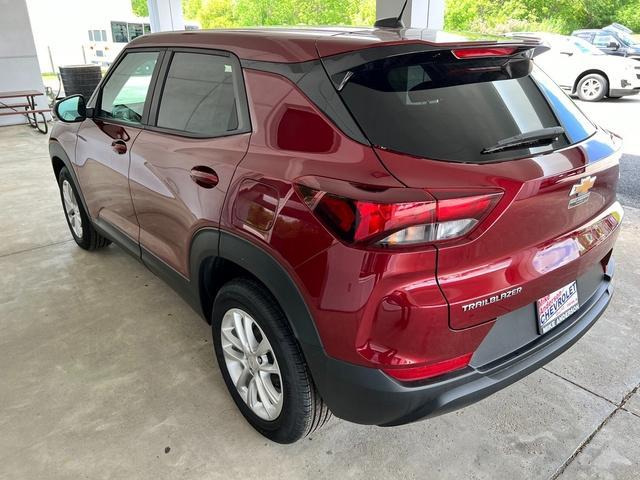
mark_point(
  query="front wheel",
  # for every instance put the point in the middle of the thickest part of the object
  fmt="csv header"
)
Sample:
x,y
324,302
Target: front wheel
x,y
592,87
80,226
262,365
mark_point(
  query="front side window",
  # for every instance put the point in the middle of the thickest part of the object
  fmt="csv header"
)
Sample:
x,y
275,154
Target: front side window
x,y
125,92
119,32
200,95
604,39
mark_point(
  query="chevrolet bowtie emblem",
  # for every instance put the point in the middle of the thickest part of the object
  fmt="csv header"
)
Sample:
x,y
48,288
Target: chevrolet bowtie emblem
x,y
580,191
584,186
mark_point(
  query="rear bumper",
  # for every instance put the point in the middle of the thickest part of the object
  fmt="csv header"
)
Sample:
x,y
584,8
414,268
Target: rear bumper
x,y
368,396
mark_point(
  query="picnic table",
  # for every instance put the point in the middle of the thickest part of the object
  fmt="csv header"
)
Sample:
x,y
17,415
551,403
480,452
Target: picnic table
x,y
25,106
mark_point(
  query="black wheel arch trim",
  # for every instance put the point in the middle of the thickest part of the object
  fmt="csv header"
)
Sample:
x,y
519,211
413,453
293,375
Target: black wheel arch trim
x,y
56,151
209,242
270,272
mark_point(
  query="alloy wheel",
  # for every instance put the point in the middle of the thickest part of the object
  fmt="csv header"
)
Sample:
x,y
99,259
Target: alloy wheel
x,y
591,88
71,208
252,364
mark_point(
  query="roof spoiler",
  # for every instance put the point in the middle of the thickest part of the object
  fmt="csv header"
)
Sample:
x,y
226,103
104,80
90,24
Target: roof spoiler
x,y
512,59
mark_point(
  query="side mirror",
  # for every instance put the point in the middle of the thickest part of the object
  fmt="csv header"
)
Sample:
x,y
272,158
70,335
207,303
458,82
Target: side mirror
x,y
613,45
71,109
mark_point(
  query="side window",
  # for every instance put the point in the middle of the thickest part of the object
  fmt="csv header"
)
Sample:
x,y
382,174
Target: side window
x,y
603,40
200,95
125,92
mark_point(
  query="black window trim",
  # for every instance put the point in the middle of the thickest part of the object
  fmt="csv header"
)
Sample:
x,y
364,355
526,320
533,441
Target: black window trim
x,y
96,99
242,104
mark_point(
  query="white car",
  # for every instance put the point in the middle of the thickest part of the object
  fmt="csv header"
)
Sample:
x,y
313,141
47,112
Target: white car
x,y
581,69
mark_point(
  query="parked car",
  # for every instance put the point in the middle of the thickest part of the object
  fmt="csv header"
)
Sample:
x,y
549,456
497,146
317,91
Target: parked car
x,y
581,69
612,41
619,26
385,224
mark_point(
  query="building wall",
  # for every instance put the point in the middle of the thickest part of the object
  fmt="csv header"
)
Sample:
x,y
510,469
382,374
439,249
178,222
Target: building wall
x,y
18,57
62,28
418,14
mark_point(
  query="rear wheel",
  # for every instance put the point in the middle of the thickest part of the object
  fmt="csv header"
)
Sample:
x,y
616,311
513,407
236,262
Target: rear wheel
x,y
592,87
79,224
262,364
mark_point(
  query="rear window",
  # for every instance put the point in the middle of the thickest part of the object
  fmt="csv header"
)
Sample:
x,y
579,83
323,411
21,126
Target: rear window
x,y
432,105
200,95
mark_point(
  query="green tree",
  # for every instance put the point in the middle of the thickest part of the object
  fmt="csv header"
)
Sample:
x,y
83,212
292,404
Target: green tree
x,y
241,13
629,15
562,16
140,8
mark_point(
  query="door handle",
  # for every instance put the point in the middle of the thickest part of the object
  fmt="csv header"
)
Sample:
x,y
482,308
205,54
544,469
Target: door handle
x,y
119,146
204,176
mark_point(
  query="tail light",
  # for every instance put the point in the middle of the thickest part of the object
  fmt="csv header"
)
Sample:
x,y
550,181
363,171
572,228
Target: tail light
x,y
483,52
435,217
422,372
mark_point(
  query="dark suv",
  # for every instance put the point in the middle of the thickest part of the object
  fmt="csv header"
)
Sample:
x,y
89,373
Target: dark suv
x,y
385,224
613,40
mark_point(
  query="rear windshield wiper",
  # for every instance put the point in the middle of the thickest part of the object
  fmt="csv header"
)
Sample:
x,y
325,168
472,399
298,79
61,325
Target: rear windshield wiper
x,y
535,138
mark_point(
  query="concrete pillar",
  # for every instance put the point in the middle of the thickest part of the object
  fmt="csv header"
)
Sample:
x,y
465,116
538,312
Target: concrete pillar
x,y
418,14
18,58
165,15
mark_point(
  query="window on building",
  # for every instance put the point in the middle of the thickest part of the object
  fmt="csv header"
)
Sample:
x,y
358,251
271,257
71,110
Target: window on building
x,y
135,30
91,35
120,32
200,95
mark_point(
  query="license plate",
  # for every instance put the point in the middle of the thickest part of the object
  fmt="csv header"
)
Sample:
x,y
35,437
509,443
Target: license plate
x,y
555,308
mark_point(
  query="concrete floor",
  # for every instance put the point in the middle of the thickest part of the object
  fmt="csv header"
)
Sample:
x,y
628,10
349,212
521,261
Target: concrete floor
x,y
106,373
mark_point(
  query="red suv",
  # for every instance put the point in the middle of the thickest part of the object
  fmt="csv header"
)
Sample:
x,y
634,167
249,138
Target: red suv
x,y
385,224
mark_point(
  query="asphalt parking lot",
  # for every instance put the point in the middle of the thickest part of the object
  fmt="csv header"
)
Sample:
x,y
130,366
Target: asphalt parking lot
x,y
106,373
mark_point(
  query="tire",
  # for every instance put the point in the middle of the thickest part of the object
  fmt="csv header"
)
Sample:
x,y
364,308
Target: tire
x,y
592,87
86,235
300,410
